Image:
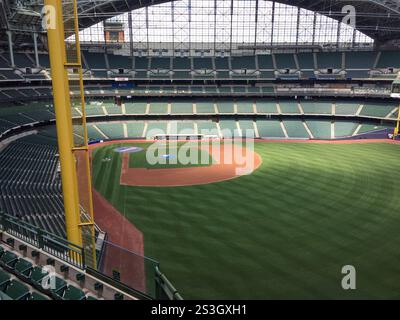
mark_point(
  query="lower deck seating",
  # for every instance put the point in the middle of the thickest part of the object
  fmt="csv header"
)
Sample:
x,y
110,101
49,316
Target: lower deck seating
x,y
114,130
320,129
344,128
295,129
287,128
270,129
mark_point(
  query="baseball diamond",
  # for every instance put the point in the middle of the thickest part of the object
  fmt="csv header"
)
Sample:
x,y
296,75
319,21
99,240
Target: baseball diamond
x,y
171,150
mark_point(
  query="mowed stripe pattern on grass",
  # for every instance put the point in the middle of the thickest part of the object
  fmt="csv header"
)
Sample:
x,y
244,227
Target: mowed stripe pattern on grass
x,y
283,232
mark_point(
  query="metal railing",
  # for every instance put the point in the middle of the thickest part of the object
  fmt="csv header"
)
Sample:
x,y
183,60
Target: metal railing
x,y
49,243
133,273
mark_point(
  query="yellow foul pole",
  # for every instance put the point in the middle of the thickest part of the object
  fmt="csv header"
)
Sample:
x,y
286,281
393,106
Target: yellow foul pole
x,y
59,74
78,201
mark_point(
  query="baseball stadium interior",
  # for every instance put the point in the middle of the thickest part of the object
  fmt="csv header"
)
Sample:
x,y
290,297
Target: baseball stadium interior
x,y
313,85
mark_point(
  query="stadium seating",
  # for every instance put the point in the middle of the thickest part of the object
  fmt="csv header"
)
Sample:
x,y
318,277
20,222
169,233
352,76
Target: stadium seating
x,y
266,106
225,107
245,107
295,129
135,129
289,107
158,108
388,59
28,186
21,279
329,60
316,107
182,107
135,107
348,108
205,107
270,129
111,130
320,129
357,64
377,110
285,61
344,128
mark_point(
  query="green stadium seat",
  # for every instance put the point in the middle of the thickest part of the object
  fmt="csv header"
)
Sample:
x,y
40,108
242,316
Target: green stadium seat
x,y
360,59
88,297
182,107
205,107
253,89
181,63
316,107
270,129
207,127
93,133
23,268
346,107
221,63
229,128
8,260
112,130
389,59
320,129
265,62
328,60
60,285
157,127
289,107
377,110
4,278
266,107
344,128
37,297
247,128
244,62
182,127
113,109
94,110
37,276
202,63
16,290
158,108
160,63
285,61
135,129
225,107
225,89
135,107
306,60
70,293
245,107
295,129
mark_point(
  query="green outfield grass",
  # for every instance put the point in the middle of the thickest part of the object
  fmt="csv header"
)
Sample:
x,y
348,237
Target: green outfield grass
x,y
283,232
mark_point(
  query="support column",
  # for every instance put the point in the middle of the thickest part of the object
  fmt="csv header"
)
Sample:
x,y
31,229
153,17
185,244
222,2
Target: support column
x,y
10,47
35,46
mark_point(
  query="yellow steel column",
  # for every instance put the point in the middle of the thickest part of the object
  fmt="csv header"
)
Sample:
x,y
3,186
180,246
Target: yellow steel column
x,y
397,128
64,123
